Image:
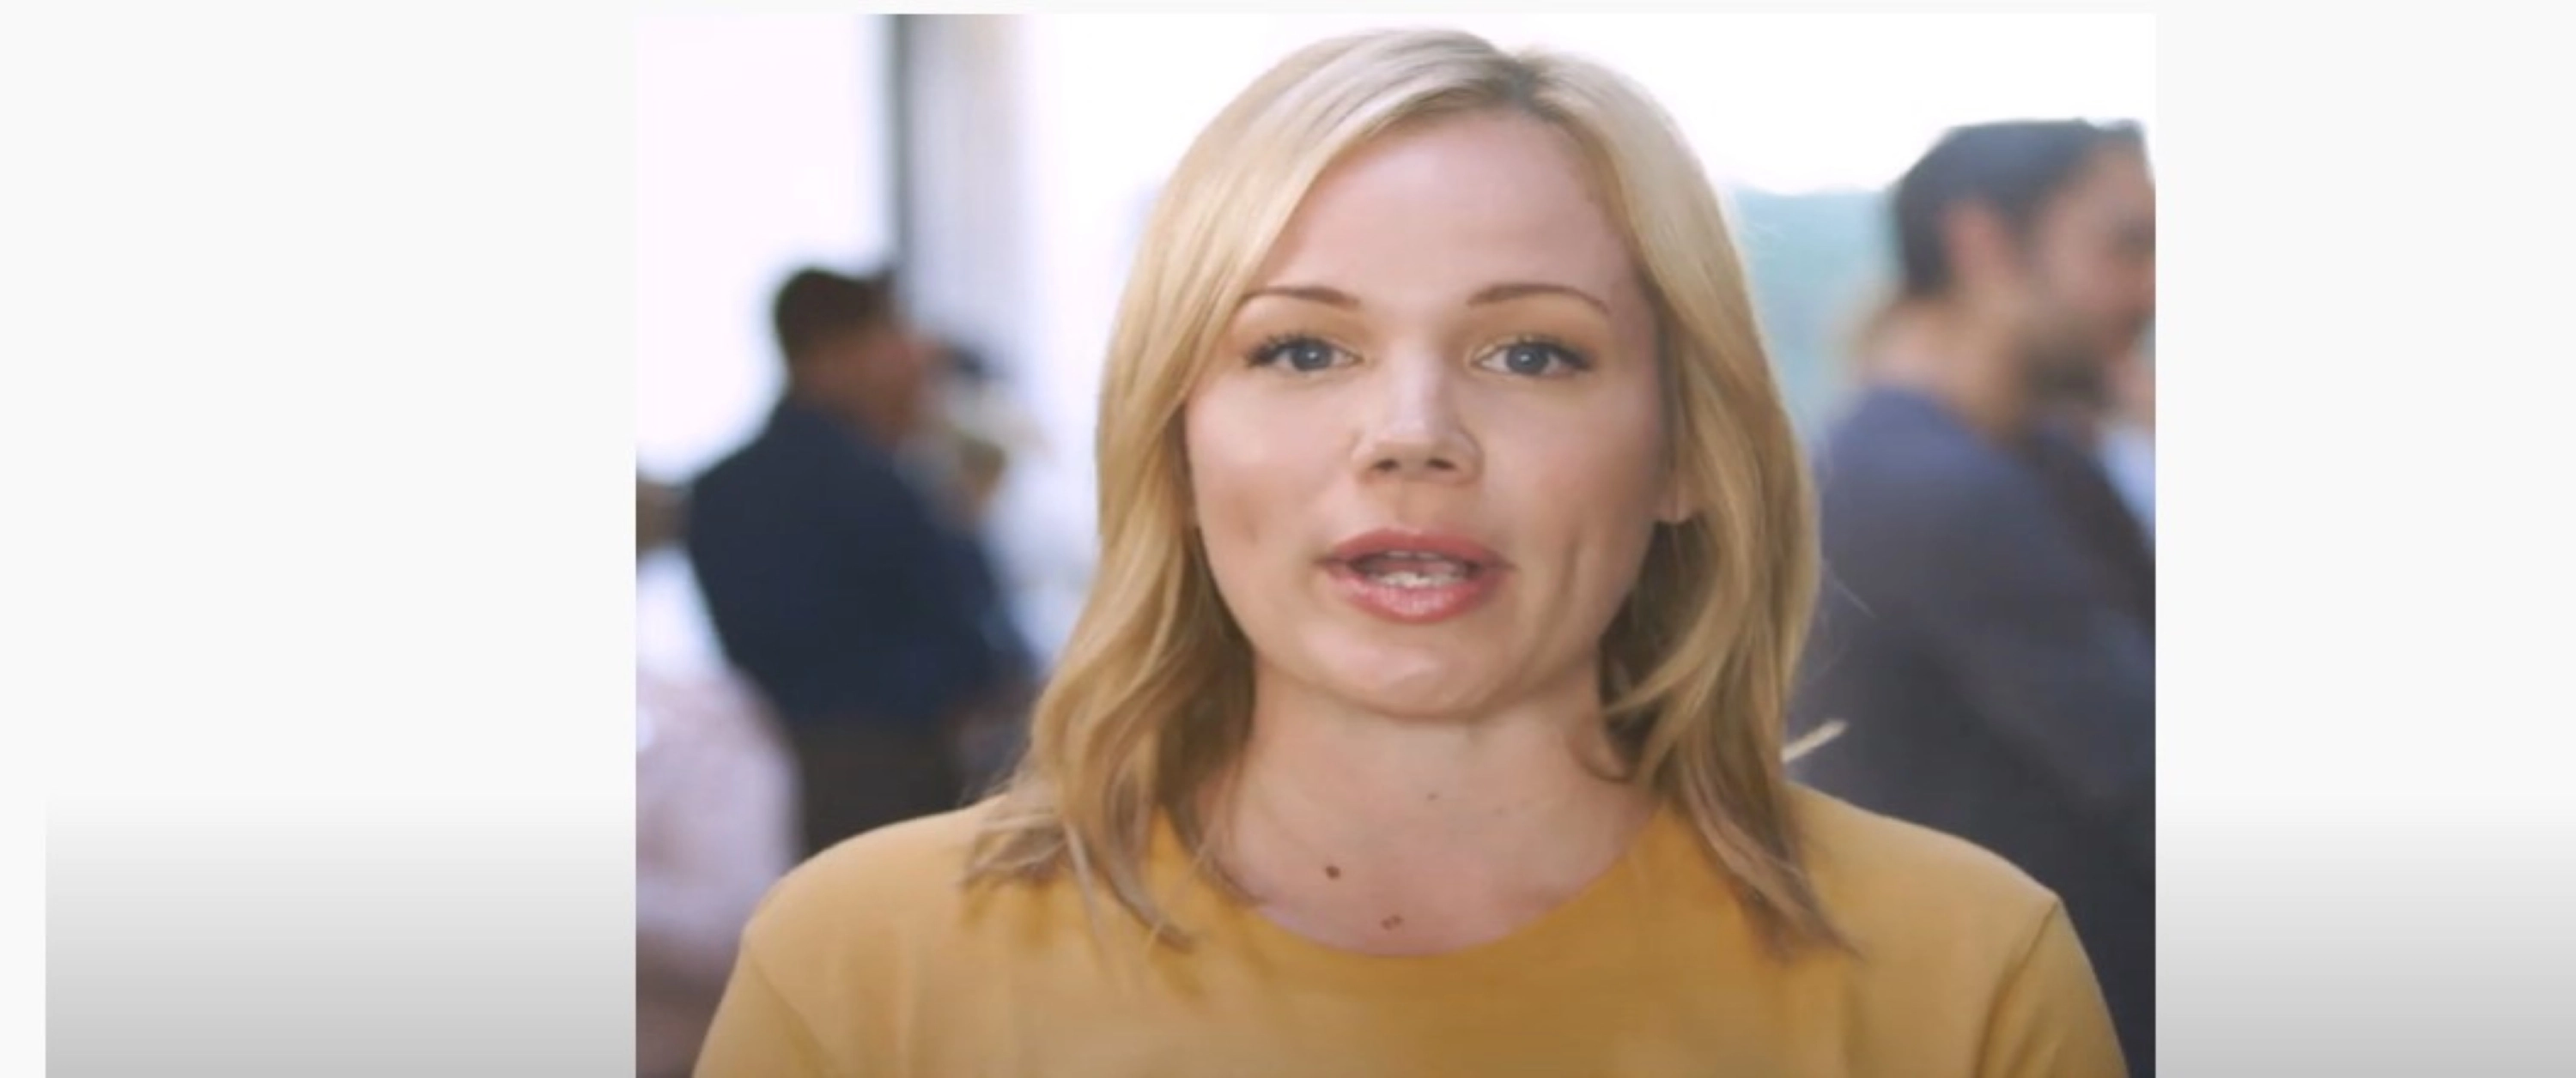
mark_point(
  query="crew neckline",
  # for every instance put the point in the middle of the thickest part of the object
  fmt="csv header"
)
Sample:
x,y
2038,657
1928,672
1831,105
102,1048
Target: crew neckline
x,y
1657,868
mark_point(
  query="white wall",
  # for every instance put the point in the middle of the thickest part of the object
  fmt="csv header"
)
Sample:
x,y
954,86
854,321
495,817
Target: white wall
x,y
761,143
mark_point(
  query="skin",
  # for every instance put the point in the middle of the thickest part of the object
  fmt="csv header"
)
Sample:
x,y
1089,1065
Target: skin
x,y
2035,321
2090,263
876,379
1451,335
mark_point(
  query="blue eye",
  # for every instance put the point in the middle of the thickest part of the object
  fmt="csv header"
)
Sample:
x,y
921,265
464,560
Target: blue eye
x,y
1302,354
1537,358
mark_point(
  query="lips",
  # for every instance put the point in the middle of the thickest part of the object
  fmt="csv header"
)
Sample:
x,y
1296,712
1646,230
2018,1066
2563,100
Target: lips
x,y
1414,577
1392,542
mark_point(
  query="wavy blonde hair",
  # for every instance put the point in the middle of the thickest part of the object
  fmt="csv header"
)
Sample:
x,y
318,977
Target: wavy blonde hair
x,y
1152,698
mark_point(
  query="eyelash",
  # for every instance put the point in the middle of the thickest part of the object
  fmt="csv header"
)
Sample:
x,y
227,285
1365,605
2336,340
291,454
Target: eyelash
x,y
1269,352
1566,354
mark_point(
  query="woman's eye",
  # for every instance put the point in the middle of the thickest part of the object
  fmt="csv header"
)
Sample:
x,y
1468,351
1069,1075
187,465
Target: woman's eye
x,y
1537,359
1303,354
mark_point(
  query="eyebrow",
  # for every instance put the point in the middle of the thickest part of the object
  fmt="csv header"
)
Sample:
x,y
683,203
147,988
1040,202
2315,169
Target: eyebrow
x,y
1499,293
1517,289
1311,293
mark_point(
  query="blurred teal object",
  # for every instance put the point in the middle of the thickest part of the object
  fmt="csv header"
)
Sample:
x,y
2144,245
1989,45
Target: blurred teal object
x,y
1818,261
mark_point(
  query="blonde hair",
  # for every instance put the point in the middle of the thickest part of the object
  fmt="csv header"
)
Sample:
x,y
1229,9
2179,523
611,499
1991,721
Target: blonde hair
x,y
1152,696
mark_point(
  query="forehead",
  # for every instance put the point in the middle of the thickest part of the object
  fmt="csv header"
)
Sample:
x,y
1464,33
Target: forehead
x,y
1493,194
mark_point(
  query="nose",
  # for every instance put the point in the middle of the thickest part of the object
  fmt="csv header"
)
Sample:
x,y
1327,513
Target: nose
x,y
1414,428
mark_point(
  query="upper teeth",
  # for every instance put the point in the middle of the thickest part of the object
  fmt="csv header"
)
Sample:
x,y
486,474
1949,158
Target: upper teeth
x,y
1414,568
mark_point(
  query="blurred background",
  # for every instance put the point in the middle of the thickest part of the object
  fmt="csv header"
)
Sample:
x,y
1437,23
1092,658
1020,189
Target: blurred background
x,y
1005,165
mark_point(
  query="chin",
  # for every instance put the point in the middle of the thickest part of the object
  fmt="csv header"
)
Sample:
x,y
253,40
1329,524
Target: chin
x,y
1419,703
1412,683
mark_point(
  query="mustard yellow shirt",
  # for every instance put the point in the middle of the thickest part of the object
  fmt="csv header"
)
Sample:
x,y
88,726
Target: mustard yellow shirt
x,y
870,960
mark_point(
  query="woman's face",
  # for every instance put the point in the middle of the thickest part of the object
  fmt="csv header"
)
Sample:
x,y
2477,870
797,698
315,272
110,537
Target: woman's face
x,y
1426,460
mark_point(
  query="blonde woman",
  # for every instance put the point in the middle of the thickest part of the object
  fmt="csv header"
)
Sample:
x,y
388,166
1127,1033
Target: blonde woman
x,y
1425,717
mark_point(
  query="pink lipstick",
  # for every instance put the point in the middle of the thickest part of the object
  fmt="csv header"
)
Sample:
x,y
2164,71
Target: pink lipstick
x,y
1415,577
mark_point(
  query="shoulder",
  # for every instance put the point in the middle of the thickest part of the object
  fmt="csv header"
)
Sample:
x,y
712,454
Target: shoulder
x,y
892,911
868,891
1888,429
1950,934
835,949
1897,887
851,951
1898,461
715,495
798,442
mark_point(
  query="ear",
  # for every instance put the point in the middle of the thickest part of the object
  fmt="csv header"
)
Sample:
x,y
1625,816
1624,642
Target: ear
x,y
1674,505
1981,247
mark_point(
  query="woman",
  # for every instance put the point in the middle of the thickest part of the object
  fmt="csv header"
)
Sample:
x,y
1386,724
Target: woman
x,y
1425,717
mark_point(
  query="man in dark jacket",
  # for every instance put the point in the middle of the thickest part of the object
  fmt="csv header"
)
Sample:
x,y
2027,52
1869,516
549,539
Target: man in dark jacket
x,y
870,619
1986,628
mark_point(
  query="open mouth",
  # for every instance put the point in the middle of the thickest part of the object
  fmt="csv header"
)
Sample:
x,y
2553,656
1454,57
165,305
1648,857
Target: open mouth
x,y
1415,577
1414,569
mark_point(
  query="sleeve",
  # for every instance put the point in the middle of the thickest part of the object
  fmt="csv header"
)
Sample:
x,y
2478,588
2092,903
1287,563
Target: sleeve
x,y
2061,676
2049,1020
757,1033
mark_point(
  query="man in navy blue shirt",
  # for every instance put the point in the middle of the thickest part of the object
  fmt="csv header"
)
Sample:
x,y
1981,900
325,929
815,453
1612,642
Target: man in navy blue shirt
x,y
869,617
1987,623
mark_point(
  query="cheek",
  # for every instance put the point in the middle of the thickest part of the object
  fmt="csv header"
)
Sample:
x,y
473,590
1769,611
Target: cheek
x,y
2100,282
1249,473
1598,487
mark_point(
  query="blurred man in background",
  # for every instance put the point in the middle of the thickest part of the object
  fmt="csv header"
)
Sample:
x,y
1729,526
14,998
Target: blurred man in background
x,y
862,607
1986,630
967,457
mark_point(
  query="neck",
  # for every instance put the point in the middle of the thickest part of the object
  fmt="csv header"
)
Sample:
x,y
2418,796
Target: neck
x,y
1472,824
856,419
1967,364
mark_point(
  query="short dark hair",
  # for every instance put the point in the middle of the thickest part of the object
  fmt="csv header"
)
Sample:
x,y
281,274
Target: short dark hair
x,y
816,305
2012,167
